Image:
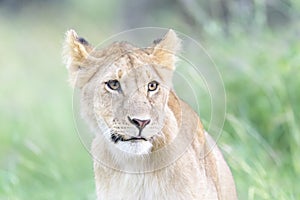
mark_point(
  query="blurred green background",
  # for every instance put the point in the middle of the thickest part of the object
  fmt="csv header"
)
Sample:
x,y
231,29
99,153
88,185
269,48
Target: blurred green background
x,y
254,43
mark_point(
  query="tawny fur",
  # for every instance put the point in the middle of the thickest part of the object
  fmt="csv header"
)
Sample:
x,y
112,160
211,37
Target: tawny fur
x,y
199,173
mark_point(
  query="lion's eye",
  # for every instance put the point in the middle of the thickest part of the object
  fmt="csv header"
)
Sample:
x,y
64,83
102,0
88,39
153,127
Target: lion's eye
x,y
113,84
152,86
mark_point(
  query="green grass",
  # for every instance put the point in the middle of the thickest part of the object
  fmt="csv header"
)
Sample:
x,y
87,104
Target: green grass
x,y
262,133
41,156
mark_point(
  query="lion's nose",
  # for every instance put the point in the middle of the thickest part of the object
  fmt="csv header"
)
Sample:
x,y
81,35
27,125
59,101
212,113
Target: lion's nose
x,y
139,123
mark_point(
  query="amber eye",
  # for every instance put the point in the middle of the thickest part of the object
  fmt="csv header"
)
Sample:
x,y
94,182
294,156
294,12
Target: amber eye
x,y
152,86
113,84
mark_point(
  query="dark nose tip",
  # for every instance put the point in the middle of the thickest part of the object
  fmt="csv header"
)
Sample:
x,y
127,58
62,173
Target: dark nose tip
x,y
140,124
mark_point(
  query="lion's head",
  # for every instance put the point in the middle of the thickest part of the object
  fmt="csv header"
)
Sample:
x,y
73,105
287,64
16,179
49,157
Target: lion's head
x,y
125,90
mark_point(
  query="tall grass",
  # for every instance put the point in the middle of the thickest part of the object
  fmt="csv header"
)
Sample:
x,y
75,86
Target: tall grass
x,y
261,134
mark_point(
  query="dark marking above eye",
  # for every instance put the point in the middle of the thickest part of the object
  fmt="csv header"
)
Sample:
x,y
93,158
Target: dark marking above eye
x,y
83,41
119,73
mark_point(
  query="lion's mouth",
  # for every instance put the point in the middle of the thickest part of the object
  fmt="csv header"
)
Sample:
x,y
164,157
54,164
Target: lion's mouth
x,y
117,137
135,138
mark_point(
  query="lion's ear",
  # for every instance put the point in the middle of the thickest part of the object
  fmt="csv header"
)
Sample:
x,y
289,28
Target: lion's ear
x,y
165,49
77,58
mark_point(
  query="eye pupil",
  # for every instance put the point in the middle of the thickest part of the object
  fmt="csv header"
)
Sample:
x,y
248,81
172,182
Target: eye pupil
x,y
152,86
113,84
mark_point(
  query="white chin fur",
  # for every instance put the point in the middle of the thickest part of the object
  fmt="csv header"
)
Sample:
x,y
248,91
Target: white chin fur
x,y
136,147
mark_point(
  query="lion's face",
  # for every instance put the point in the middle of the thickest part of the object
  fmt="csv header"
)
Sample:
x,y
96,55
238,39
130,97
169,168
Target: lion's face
x,y
132,101
126,91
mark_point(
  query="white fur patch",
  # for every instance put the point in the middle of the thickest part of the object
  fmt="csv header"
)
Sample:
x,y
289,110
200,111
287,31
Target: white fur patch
x,y
135,147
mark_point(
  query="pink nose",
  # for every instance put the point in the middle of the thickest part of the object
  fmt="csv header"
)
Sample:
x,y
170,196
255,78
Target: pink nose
x,y
140,124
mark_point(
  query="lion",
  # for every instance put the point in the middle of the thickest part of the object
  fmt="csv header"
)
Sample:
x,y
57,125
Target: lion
x,y
148,143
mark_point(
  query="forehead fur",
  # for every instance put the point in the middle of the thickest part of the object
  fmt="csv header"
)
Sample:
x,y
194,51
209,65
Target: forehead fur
x,y
122,53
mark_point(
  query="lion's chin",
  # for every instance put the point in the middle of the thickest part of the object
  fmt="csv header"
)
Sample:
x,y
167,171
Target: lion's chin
x,y
136,147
